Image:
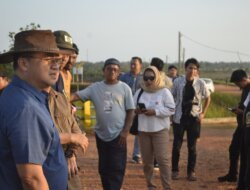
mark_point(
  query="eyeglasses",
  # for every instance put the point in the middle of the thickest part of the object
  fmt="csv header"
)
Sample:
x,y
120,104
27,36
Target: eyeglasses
x,y
146,78
49,60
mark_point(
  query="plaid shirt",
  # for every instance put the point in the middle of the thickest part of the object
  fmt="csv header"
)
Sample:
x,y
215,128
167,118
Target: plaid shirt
x,y
201,92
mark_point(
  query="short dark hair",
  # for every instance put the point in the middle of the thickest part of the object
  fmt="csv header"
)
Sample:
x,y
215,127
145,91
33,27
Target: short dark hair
x,y
111,61
138,58
238,75
192,61
158,63
17,56
76,49
172,67
3,74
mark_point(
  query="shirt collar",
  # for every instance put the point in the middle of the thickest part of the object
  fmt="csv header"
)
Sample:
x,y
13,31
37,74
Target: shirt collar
x,y
42,97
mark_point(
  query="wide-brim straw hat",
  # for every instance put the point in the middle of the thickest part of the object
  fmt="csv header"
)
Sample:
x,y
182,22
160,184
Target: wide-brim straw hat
x,y
31,41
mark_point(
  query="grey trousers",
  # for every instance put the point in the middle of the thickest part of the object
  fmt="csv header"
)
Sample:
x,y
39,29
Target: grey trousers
x,y
155,145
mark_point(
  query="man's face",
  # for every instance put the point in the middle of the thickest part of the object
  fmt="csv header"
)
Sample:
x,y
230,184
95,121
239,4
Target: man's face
x,y
65,60
191,70
3,82
42,70
73,58
71,62
111,73
243,83
135,66
172,72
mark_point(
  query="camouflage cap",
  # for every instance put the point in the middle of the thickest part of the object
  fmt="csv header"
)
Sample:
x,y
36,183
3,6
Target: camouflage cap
x,y
64,40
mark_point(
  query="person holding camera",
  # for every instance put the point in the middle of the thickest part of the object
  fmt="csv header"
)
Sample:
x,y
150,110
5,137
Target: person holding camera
x,y
155,106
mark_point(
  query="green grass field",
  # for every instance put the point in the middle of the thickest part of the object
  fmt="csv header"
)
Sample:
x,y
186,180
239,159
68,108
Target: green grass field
x,y
219,104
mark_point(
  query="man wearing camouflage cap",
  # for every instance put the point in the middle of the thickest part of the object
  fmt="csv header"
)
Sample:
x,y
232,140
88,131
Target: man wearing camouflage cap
x,y
65,44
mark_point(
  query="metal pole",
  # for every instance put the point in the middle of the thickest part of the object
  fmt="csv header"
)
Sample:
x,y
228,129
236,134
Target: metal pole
x,y
179,52
183,57
77,79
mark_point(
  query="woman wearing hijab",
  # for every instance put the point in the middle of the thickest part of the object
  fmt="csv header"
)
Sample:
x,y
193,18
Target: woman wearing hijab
x,y
154,125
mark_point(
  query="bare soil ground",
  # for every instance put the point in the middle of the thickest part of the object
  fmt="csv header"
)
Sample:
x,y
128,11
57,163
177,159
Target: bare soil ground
x,y
212,161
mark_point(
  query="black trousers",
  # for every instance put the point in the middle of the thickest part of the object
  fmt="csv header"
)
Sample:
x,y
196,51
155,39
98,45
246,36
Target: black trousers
x,y
192,126
112,163
244,175
234,151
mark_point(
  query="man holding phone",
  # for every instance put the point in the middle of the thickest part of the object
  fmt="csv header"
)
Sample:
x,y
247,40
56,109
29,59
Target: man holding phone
x,y
239,78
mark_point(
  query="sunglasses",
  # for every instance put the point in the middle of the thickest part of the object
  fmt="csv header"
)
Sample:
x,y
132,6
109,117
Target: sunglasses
x,y
146,78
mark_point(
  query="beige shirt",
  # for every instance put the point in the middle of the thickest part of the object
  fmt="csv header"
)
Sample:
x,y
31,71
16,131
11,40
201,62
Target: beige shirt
x,y
61,113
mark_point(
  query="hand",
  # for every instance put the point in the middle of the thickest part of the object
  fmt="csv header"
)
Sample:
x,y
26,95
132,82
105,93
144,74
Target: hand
x,y
201,116
81,140
139,111
123,138
149,112
237,111
72,166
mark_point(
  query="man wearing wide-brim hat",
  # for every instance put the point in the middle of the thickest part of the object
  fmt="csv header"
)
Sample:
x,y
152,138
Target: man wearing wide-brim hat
x,y
31,156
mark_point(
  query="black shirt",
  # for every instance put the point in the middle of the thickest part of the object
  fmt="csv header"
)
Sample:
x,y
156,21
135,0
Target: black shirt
x,y
188,96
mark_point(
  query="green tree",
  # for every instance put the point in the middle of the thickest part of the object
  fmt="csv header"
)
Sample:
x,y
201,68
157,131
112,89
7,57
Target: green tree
x,y
31,26
8,67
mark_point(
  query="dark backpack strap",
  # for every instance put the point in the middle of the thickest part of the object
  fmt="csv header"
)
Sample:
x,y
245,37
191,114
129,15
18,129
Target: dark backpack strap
x,y
139,95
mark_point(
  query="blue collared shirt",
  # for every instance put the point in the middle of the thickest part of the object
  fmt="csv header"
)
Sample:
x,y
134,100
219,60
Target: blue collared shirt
x,y
132,81
28,135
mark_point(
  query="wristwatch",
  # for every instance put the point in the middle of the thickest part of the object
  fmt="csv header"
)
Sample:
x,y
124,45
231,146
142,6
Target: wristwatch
x,y
69,153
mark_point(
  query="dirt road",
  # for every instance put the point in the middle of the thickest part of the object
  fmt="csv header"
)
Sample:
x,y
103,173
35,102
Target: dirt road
x,y
212,162
232,89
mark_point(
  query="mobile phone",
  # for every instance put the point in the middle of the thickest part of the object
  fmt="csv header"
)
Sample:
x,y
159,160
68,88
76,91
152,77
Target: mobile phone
x,y
141,105
231,109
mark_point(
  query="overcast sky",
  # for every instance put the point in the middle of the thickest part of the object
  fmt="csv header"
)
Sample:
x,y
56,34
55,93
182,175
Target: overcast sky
x,y
145,28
